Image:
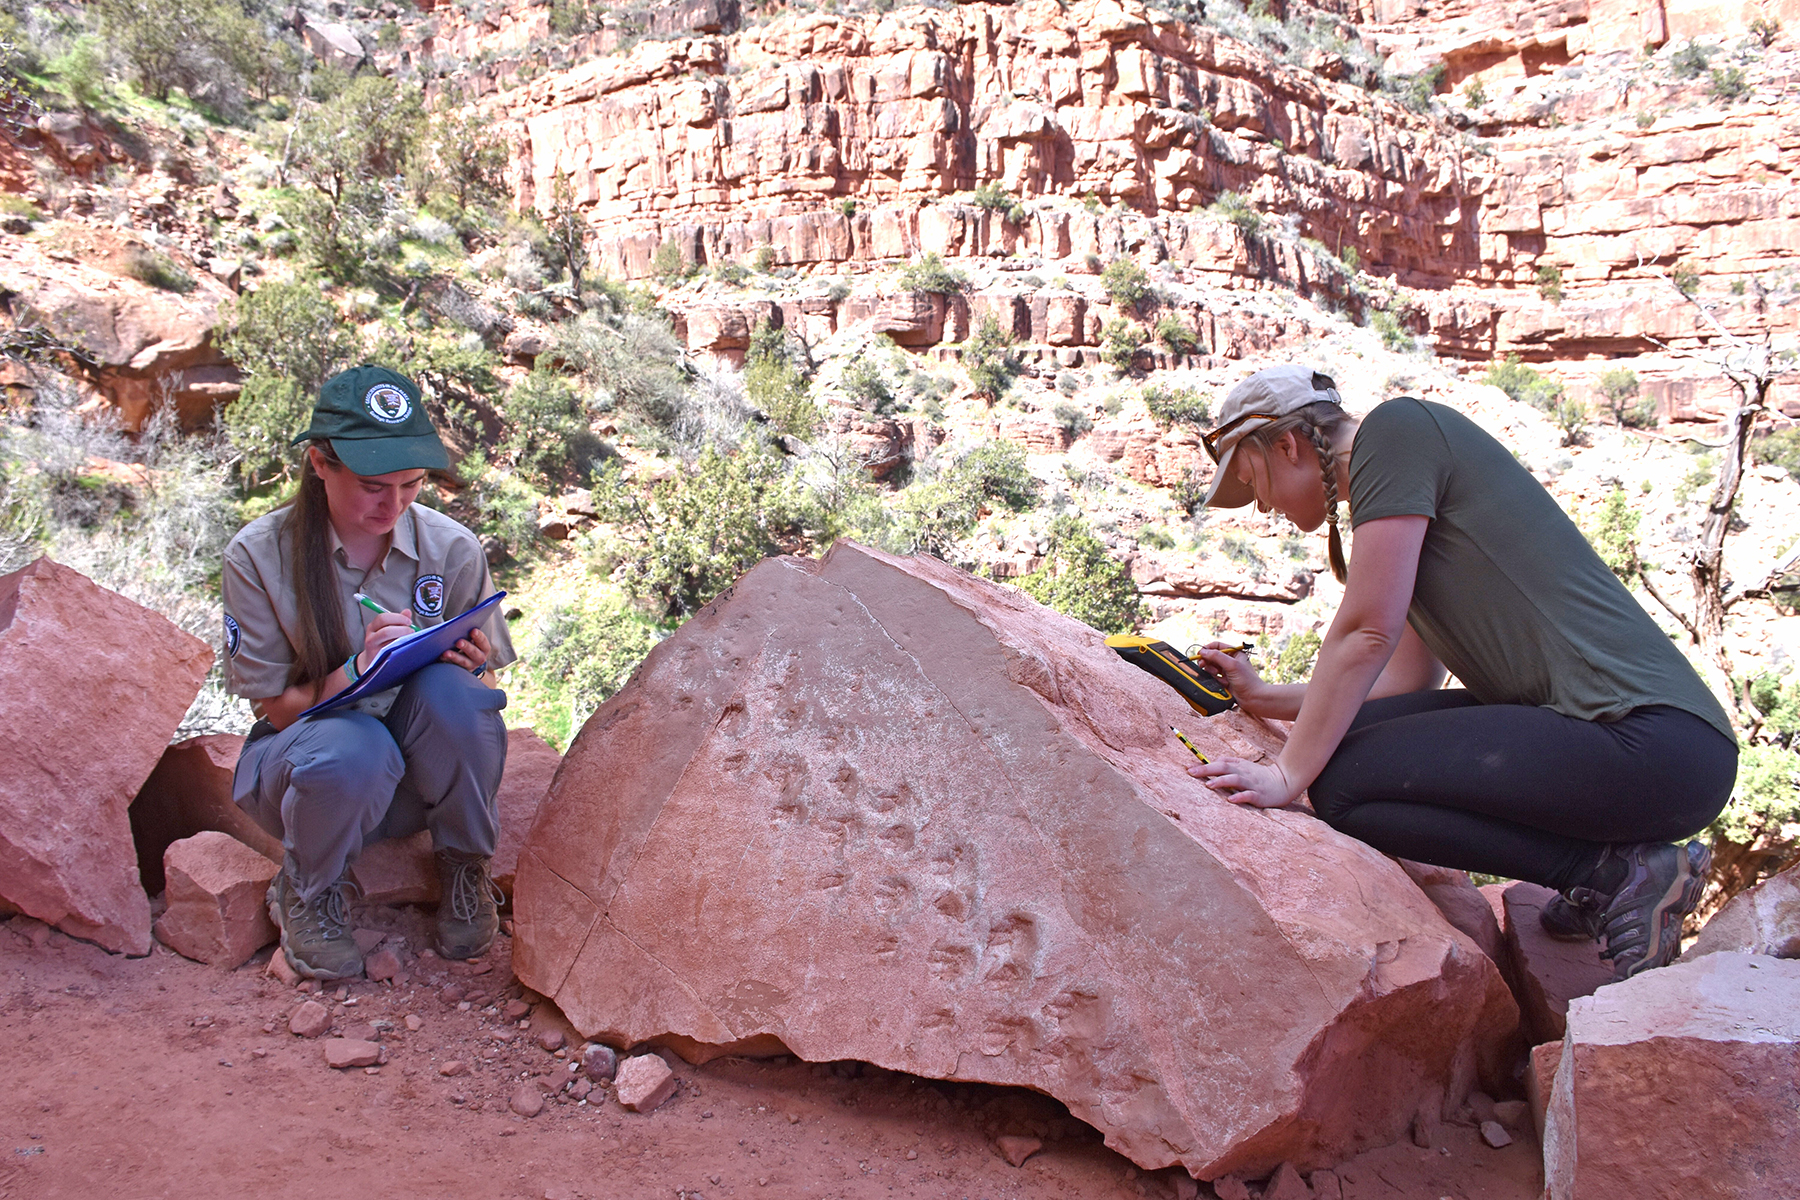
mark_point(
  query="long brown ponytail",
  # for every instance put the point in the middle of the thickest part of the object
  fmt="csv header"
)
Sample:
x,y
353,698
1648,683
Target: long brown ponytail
x,y
324,642
1318,422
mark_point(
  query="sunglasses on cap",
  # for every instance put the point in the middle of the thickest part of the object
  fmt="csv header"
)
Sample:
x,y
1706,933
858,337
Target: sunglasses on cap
x,y
1210,441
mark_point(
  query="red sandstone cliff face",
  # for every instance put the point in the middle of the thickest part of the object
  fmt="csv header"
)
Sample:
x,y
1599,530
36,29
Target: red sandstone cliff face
x,y
842,142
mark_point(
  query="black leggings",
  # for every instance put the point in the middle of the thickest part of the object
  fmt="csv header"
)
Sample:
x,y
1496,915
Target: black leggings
x,y
1520,791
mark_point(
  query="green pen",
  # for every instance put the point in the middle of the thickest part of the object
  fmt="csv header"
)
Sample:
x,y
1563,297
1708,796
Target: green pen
x,y
374,606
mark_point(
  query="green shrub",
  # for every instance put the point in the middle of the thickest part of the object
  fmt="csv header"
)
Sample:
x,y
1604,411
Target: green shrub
x,y
1177,335
581,651
775,380
458,157
1177,406
1415,92
668,264
1691,61
763,260
1295,662
1549,283
989,359
1766,798
1571,416
81,71
1074,419
158,270
1778,703
210,49
631,360
1127,284
1780,448
1613,534
1522,383
1686,279
863,382
931,274
846,207
1237,210
688,537
1617,387
1120,341
996,470
1728,84
1765,30
1394,335
547,434
730,274
992,197
1474,95
287,339
1155,537
1081,580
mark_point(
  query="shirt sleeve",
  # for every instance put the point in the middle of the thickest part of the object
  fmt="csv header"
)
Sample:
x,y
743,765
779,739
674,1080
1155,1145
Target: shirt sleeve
x,y
468,583
1399,465
258,656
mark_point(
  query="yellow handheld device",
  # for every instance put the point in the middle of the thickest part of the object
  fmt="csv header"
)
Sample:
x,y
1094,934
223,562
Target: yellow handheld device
x,y
1203,690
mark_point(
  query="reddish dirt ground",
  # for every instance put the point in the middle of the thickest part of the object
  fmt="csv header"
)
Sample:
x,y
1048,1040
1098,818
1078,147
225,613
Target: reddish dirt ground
x,y
161,1077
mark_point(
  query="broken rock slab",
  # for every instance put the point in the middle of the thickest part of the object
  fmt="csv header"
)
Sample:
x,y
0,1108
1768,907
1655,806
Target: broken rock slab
x,y
1682,1081
1764,919
875,808
189,792
217,909
1548,973
95,687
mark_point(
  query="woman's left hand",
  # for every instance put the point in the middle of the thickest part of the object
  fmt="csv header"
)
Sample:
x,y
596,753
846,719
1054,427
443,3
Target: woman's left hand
x,y
1263,785
470,652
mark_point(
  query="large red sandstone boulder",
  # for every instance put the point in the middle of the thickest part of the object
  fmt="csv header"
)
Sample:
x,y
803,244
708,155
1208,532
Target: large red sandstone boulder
x,y
94,685
531,764
1680,1082
189,793
217,909
1764,919
875,808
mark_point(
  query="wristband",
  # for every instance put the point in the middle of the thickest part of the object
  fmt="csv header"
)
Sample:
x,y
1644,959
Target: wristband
x,y
350,671
478,672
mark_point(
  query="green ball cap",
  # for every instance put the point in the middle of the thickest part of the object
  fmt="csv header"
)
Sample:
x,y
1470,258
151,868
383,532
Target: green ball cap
x,y
376,423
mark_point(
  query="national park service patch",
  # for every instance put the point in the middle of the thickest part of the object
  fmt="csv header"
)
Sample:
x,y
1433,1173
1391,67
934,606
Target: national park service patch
x,y
428,596
387,404
234,637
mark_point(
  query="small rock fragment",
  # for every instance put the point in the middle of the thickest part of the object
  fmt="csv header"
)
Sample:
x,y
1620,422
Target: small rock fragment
x,y
644,1082
453,1068
551,1039
1286,1184
367,940
281,969
310,1020
351,1052
580,1088
413,1023
598,1062
526,1100
1230,1187
1326,1185
1016,1150
1495,1135
1186,1188
382,964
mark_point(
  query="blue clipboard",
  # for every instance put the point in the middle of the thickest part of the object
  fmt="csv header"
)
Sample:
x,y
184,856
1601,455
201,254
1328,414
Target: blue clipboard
x,y
399,659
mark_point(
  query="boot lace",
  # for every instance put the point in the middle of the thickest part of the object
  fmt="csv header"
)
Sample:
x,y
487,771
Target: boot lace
x,y
330,909
469,885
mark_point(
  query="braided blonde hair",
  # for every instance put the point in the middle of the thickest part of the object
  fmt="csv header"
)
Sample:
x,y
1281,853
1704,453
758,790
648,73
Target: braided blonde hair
x,y
1318,422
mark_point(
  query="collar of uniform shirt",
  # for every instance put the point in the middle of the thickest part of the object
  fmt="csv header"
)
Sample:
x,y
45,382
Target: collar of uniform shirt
x,y
404,539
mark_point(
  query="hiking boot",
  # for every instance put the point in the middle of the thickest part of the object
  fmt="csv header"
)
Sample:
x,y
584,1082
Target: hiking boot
x,y
468,914
316,936
1575,915
1642,923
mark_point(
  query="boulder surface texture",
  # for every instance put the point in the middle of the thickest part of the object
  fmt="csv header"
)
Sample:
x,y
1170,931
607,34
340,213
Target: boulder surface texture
x,y
1681,1082
1764,919
217,889
95,686
874,808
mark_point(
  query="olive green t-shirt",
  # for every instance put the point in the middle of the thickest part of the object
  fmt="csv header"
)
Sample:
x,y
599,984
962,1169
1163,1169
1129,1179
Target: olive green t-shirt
x,y
1510,596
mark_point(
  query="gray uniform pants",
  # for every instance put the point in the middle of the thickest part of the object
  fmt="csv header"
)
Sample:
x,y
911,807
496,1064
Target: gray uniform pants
x,y
329,785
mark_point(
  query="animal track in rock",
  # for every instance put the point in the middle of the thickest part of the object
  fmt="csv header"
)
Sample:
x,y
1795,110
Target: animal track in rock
x,y
896,839
1000,1033
955,904
828,880
735,719
1012,950
887,948
943,1018
950,961
893,894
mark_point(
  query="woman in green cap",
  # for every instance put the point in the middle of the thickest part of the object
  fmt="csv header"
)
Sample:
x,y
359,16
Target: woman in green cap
x,y
427,754
1580,746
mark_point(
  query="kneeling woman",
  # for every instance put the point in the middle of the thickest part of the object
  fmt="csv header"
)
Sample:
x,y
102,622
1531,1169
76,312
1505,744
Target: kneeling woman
x,y
425,755
1581,744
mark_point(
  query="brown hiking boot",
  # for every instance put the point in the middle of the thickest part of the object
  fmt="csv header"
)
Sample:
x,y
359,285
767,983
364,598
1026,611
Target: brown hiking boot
x,y
316,936
468,913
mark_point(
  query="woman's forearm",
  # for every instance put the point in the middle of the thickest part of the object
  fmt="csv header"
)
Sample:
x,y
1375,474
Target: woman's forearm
x,y
1349,663
1274,701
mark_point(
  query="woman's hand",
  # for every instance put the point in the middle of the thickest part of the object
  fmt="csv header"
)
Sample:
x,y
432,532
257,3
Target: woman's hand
x,y
1264,785
383,628
1232,664
470,652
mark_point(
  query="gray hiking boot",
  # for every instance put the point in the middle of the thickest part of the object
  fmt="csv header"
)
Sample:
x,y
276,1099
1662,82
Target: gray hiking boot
x,y
1575,915
1642,923
468,913
316,936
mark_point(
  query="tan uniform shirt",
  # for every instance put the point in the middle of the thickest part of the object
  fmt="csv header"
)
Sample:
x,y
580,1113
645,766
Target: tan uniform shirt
x,y
433,566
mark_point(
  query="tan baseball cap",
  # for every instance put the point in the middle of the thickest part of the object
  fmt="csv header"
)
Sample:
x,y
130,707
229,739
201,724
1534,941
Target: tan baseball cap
x,y
1253,404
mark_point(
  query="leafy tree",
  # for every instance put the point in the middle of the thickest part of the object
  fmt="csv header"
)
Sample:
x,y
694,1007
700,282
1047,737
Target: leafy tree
x,y
989,359
287,339
1613,534
690,536
1295,662
1549,283
866,386
1232,207
567,233
1177,335
992,196
1080,579
1120,341
461,157
931,274
934,514
210,49
775,380
343,154
547,433
1127,284
1618,386
1522,383
1176,406
582,650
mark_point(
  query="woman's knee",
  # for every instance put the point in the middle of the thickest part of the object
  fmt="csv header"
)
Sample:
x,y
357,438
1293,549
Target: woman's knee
x,y
1332,803
349,753
450,697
